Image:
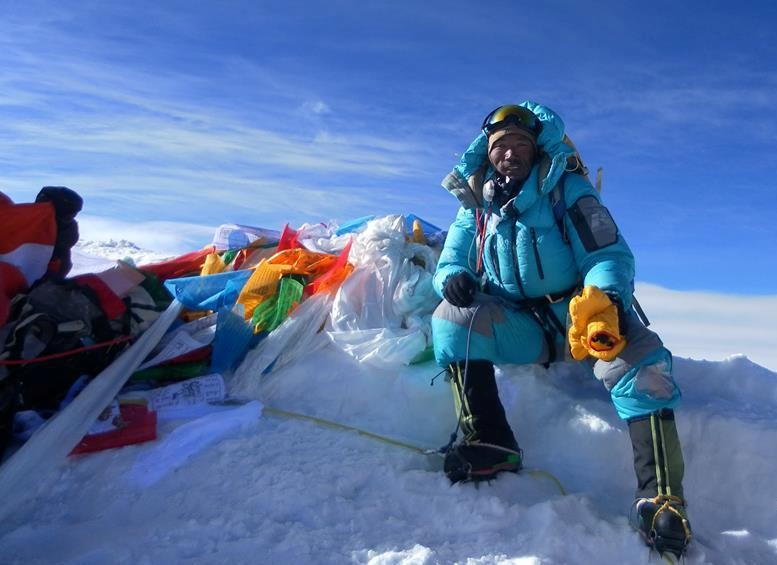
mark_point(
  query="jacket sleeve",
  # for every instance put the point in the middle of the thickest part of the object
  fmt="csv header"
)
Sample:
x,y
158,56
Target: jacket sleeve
x,y
602,255
459,253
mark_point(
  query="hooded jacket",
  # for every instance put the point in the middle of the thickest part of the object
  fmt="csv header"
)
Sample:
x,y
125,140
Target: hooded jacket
x,y
525,255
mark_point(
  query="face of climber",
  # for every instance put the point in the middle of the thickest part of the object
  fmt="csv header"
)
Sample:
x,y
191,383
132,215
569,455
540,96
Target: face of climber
x,y
513,156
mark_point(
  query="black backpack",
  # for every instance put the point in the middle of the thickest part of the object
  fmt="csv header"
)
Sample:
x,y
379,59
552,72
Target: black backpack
x,y
56,333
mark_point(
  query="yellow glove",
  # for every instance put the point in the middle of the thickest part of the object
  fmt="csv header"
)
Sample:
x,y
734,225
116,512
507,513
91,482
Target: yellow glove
x,y
594,330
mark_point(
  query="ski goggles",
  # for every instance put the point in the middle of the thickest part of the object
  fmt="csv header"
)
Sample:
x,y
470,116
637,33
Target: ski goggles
x,y
512,114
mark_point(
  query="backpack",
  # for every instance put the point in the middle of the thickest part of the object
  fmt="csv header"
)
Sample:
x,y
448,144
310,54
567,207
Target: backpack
x,y
53,337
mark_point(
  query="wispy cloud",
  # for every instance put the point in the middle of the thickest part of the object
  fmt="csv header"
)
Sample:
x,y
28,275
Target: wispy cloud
x,y
652,108
713,326
240,113
316,107
70,115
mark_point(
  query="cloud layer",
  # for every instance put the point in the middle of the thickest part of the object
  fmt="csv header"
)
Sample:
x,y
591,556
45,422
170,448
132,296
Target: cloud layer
x,y
713,326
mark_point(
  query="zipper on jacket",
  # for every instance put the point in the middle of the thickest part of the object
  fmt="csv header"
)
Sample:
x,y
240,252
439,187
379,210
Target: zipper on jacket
x,y
495,258
536,252
516,268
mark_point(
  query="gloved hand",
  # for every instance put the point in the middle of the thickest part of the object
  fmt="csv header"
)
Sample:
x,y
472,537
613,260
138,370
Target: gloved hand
x,y
460,290
595,330
67,204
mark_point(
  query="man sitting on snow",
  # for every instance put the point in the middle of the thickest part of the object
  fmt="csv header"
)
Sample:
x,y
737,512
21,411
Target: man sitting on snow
x,y
531,244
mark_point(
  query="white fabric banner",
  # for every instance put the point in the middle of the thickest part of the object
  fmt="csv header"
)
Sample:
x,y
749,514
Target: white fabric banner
x,y
57,437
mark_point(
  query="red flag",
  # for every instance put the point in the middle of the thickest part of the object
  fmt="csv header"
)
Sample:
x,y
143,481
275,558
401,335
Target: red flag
x,y
27,236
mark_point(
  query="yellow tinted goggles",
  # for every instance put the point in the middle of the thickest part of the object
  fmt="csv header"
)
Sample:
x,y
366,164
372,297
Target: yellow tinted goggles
x,y
512,114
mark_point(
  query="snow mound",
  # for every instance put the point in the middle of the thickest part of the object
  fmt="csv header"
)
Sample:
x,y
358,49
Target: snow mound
x,y
239,487
253,482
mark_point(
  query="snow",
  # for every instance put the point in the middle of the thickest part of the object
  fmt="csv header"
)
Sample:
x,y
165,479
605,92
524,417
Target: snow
x,y
241,484
89,255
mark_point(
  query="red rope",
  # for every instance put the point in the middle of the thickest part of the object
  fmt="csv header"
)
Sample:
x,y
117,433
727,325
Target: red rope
x,y
12,362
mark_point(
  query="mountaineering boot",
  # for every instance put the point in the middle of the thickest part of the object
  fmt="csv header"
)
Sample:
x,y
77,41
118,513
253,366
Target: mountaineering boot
x,y
658,513
662,522
477,461
489,446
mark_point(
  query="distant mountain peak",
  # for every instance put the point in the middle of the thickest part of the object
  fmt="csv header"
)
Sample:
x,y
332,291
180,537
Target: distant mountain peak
x,y
119,249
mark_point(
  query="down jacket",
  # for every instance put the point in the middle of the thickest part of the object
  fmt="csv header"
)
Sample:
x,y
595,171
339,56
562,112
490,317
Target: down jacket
x,y
525,254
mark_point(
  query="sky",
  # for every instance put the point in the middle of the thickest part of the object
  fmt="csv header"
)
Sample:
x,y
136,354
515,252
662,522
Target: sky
x,y
171,118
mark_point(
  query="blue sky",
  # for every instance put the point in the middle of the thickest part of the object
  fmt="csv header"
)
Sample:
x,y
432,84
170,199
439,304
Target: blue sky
x,y
171,116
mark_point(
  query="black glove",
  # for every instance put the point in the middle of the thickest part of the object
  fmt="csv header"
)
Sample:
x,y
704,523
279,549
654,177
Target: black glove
x,y
460,290
67,204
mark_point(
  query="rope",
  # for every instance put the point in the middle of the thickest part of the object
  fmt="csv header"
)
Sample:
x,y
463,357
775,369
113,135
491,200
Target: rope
x,y
547,475
13,362
339,426
536,473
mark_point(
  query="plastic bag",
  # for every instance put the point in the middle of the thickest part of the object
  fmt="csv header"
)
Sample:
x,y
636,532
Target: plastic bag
x,y
381,314
382,346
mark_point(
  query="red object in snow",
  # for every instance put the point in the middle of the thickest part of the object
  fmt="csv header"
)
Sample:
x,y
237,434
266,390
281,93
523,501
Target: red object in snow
x,y
138,425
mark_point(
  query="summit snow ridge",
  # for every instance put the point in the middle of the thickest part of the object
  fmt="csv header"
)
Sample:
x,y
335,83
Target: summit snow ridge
x,y
269,490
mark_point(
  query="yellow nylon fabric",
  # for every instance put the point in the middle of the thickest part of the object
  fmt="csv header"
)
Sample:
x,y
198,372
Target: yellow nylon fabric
x,y
594,330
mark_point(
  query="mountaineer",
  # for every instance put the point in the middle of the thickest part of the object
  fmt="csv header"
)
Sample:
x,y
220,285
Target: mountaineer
x,y
532,246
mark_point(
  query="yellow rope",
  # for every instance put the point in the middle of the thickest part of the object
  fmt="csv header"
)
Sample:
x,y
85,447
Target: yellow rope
x,y
339,426
546,475
536,473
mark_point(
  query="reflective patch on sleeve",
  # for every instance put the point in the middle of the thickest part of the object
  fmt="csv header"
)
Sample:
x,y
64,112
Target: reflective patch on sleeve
x,y
593,223
656,381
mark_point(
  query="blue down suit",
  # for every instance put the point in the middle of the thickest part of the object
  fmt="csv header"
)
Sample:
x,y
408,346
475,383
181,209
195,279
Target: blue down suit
x,y
532,260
